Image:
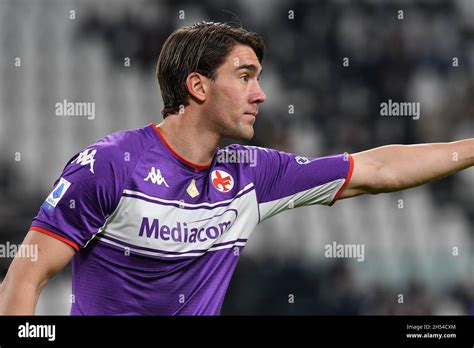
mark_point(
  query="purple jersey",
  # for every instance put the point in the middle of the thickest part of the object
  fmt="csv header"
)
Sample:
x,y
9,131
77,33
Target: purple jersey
x,y
158,235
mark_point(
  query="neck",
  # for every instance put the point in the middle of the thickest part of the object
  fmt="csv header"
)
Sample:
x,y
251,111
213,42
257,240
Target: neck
x,y
190,139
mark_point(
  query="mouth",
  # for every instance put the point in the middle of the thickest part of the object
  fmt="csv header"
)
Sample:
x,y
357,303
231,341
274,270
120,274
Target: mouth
x,y
254,114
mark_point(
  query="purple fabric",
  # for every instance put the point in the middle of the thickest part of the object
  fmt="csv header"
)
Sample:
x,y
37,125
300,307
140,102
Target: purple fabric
x,y
105,280
278,174
108,283
93,196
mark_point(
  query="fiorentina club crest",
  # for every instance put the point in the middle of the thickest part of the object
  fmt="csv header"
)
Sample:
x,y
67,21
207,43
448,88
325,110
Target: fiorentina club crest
x,y
222,181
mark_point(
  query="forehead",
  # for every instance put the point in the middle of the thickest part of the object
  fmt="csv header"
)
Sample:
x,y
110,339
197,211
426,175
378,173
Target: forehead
x,y
242,55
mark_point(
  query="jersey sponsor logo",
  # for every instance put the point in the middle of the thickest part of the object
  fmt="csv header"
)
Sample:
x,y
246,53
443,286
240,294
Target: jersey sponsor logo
x,y
222,180
58,192
182,232
156,177
86,157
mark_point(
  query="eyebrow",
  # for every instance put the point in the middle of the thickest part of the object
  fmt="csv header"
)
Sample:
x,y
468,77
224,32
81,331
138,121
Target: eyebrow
x,y
250,67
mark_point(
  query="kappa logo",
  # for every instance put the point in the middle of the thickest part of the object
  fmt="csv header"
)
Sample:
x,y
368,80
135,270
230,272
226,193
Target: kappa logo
x,y
155,177
222,181
85,158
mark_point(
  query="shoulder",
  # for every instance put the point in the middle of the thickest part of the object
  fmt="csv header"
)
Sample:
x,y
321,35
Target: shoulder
x,y
251,161
246,147
245,151
250,156
119,150
130,140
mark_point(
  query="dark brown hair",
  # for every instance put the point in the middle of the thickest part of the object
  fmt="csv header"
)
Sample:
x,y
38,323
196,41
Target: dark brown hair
x,y
200,48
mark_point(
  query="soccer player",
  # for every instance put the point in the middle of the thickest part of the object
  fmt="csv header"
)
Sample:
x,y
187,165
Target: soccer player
x,y
155,218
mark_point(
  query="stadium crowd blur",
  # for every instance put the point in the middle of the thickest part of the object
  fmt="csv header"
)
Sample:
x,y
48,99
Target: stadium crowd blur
x,y
418,256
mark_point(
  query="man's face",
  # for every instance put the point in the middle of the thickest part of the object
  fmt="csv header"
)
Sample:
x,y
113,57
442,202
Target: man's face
x,y
235,94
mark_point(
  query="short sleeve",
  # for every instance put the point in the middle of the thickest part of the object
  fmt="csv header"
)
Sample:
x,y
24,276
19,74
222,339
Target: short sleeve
x,y
85,194
284,180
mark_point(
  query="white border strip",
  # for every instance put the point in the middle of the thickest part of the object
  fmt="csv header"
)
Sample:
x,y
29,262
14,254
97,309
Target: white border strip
x,y
157,253
144,195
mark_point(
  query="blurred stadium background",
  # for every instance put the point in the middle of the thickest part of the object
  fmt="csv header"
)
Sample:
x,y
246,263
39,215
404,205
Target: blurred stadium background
x,y
81,56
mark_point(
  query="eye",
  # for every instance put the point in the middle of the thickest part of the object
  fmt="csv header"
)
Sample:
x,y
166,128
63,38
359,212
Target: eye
x,y
244,78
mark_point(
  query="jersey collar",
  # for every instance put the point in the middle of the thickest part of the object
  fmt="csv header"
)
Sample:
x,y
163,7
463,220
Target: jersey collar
x,y
196,167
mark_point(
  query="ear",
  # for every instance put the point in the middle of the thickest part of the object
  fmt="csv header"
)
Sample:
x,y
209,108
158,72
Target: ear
x,y
197,86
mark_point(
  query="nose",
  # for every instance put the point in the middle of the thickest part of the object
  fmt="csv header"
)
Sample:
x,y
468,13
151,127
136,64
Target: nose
x,y
258,96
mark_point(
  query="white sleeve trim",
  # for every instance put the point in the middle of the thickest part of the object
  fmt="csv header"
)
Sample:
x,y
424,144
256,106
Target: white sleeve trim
x,y
322,194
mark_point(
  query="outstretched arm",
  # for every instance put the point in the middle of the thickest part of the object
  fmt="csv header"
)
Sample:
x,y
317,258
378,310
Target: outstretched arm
x,y
398,167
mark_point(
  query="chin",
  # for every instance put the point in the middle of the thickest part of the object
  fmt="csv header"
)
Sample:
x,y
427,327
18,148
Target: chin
x,y
241,134
245,137
247,134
